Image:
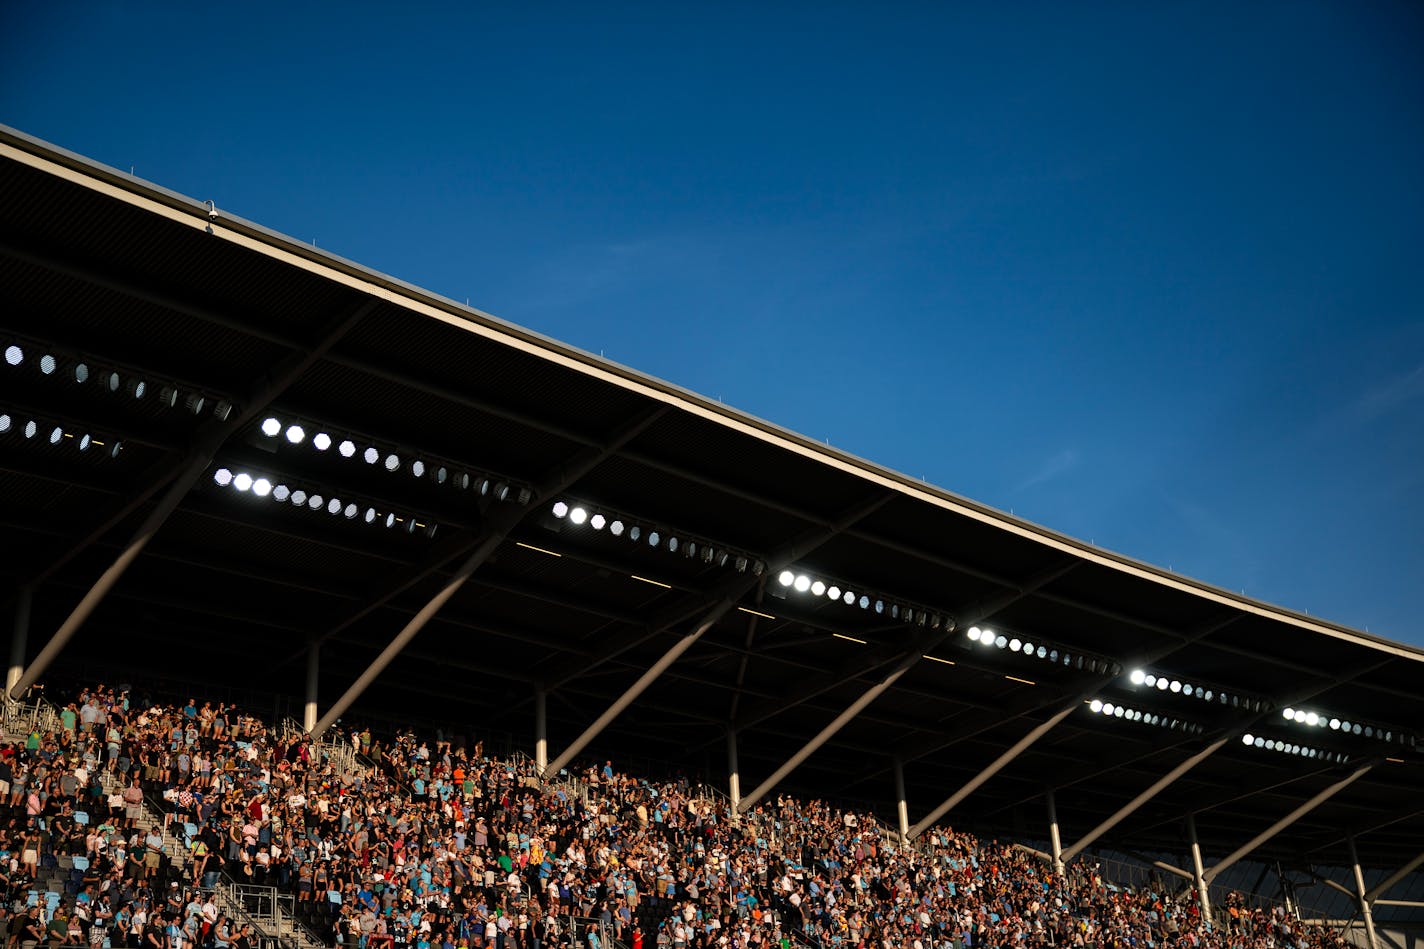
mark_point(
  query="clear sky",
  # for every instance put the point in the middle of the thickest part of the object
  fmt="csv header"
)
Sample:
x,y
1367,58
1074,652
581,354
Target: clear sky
x,y
1149,274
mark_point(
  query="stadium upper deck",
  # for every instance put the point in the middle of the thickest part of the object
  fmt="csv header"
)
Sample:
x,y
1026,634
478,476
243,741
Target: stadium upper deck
x,y
241,459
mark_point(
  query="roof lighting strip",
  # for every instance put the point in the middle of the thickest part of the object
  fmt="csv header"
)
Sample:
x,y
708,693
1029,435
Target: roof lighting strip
x,y
115,380
663,538
38,430
1138,716
295,431
1046,652
256,484
1164,683
911,614
1290,748
1314,719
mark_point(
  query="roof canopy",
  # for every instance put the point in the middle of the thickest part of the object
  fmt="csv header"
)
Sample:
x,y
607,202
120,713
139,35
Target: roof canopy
x,y
357,441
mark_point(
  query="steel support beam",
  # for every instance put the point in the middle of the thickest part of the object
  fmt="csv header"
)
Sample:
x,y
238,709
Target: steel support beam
x,y
309,706
541,731
504,520
1055,840
19,637
1199,878
999,763
902,806
734,776
630,694
907,661
178,480
1388,882
1148,794
1246,849
1362,897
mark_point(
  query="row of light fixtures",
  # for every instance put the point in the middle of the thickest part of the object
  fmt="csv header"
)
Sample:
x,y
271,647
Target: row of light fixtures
x,y
295,433
114,381
1320,720
1163,683
1114,710
1290,748
55,434
1052,654
692,548
259,485
836,592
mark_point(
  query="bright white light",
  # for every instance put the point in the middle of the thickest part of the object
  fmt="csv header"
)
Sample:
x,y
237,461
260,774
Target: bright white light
x,y
653,538
1151,680
47,364
370,515
616,528
1300,715
271,427
347,448
1312,719
1335,724
578,515
1109,708
417,468
864,602
390,520
14,355
561,509
321,441
223,477
974,633
56,435
242,481
261,487
803,583
1014,644
1119,712
371,456
833,593
299,497
1176,686
333,506
1288,713
31,428
281,492
296,434
392,463
85,441
818,588
1096,706
786,578
351,511
1001,641
1247,739
1137,677
1162,684
597,522
1028,649
849,598
315,502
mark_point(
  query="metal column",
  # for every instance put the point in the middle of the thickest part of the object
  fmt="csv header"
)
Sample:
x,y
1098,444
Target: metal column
x,y
1127,809
734,776
1198,874
998,765
902,807
541,732
313,677
1280,825
638,687
19,638
1361,894
1054,839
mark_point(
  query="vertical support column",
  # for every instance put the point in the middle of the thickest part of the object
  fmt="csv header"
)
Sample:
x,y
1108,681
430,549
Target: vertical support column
x,y
734,773
541,732
19,638
1366,909
902,806
313,677
1198,874
1054,839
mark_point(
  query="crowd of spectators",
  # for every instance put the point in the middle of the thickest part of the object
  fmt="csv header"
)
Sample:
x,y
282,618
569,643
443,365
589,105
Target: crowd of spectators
x,y
416,845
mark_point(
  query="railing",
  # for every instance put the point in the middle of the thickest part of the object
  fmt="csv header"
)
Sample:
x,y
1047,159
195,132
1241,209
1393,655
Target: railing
x,y
262,903
38,714
236,908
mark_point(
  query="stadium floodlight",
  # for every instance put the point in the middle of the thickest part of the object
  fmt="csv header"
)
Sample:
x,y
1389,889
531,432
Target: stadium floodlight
x,y
597,522
1001,641
316,502
1137,677
168,396
371,456
262,487
1164,684
417,468
786,578
1300,716
1014,644
1247,739
299,497
347,448
616,529
1096,706
578,515
560,509
271,427
974,633
14,355
393,463
281,492
818,588
242,481
1312,719
223,477
48,364
5,422
654,538
195,403
1335,724
222,410
321,441
803,583
833,592
390,520
296,434
848,598
1288,713
636,532
56,435
351,511
370,515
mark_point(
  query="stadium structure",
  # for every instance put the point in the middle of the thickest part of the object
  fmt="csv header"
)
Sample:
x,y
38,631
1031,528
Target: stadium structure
x,y
232,461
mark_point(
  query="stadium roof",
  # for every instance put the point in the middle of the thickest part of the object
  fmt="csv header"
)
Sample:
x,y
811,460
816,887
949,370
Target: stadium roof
x,y
466,458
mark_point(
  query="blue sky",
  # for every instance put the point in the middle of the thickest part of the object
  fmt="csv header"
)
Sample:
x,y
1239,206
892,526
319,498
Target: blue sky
x,y
1149,274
